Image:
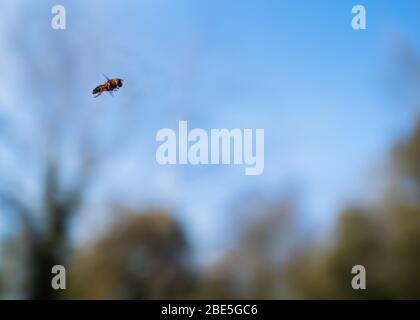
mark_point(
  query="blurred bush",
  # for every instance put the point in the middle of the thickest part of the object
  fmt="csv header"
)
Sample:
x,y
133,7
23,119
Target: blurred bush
x,y
384,239
141,257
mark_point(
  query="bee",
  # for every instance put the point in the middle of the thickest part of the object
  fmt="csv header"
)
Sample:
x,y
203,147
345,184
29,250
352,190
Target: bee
x,y
110,85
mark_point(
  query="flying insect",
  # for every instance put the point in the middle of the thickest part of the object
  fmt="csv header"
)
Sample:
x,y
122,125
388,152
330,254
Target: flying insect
x,y
110,86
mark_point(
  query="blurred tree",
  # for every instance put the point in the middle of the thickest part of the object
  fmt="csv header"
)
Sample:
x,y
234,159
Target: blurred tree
x,y
141,257
406,157
56,140
1,283
383,238
385,242
325,273
253,269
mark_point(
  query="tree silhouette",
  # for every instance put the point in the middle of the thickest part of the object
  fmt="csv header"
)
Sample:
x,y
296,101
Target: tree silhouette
x,y
143,256
383,237
60,125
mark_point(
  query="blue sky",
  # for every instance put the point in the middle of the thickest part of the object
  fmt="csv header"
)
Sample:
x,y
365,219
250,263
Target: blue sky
x,y
294,68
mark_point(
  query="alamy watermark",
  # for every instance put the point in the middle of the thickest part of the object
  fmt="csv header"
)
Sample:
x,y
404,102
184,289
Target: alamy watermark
x,y
59,19
359,20
58,282
358,282
227,147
